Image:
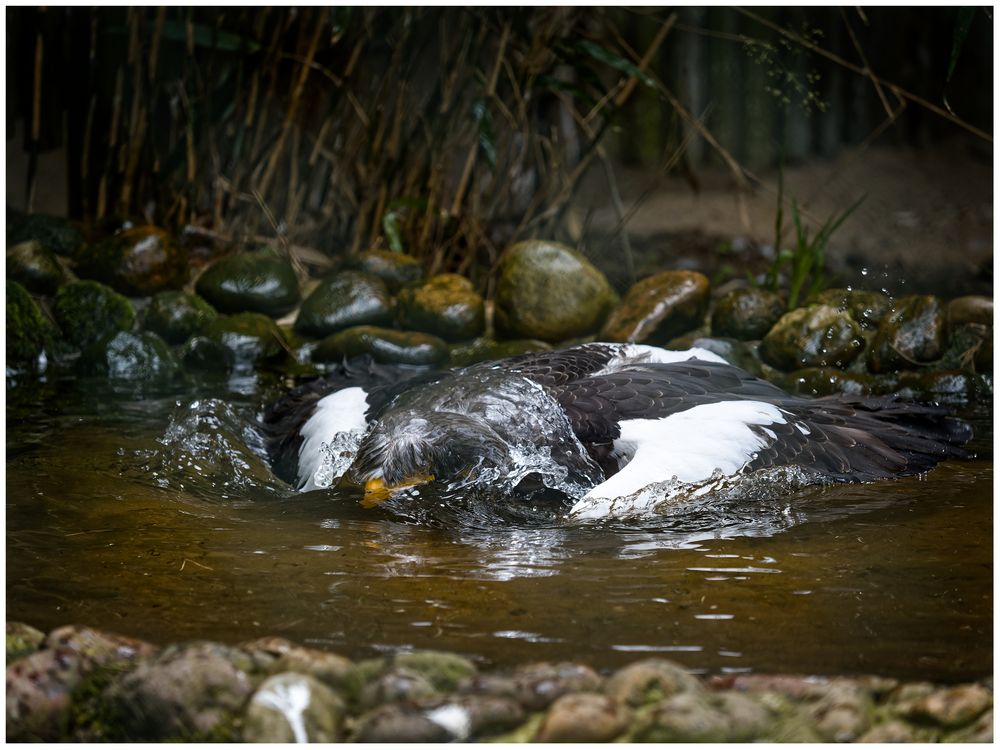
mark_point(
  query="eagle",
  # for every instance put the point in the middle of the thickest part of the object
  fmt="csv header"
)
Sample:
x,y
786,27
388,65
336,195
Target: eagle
x,y
598,423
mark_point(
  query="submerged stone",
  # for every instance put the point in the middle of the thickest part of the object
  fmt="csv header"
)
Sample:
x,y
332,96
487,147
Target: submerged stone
x,y
397,684
129,355
865,307
395,269
684,717
535,686
176,316
912,334
827,381
445,719
972,308
817,336
257,281
22,639
659,307
39,693
35,266
548,291
648,681
583,717
100,647
746,314
208,355
28,330
483,348
334,671
446,305
384,345
349,298
56,233
88,311
139,261
443,670
251,337
292,707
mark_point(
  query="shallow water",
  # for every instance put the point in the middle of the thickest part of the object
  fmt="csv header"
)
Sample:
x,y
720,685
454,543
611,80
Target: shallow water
x,y
147,514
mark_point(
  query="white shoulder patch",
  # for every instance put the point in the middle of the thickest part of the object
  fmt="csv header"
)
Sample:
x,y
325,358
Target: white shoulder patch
x,y
636,354
690,445
340,412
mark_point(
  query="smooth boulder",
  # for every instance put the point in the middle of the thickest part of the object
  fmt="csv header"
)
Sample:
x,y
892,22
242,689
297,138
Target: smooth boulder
x,y
816,336
59,235
384,345
658,308
35,266
395,269
446,305
746,314
866,308
911,335
257,281
130,355
252,338
139,261
177,316
348,298
88,311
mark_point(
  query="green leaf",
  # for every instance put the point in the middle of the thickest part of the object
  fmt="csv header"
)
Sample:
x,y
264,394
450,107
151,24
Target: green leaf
x,y
390,225
607,57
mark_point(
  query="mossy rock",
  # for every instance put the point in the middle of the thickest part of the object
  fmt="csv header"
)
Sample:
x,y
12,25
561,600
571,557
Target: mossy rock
x,y
443,670
88,311
384,345
866,308
746,314
208,355
139,261
257,281
548,291
913,334
659,307
28,330
252,338
483,348
35,266
22,639
816,336
395,269
59,235
349,298
446,305
128,355
176,316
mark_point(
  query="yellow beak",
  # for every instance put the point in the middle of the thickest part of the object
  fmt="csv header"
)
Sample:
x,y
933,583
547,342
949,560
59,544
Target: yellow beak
x,y
377,491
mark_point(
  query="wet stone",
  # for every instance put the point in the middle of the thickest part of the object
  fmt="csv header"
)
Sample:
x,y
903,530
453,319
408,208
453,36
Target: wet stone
x,y
139,261
129,355
818,336
56,233
189,692
659,308
483,348
685,717
583,717
865,307
443,670
981,730
446,305
912,334
951,386
251,337
395,269
890,731
177,316
973,308
746,314
384,345
28,330
35,266
444,719
536,686
842,713
22,639
39,693
203,354
349,298
747,719
100,647
648,681
257,282
548,291
827,381
395,685
951,707
88,311
292,707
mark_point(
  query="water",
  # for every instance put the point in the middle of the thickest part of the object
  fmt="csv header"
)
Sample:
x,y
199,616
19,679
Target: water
x,y
150,514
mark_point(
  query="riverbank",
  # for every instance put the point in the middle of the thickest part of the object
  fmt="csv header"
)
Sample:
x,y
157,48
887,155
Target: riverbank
x,y
81,684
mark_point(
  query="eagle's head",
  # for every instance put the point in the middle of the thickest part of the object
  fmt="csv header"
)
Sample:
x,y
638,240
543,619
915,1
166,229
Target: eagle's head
x,y
406,449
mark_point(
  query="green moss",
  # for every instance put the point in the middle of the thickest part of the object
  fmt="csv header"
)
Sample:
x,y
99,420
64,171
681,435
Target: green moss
x,y
88,311
28,331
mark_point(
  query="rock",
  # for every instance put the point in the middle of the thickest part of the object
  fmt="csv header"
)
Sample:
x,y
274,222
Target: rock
x,y
28,330
983,358
139,261
208,355
865,308
56,233
99,647
748,720
443,670
963,345
129,355
189,692
826,381
818,336
252,338
334,671
536,686
35,266
88,311
396,685
292,707
912,334
548,291
257,281
22,639
445,719
746,314
951,707
951,386
39,693
890,731
981,730
446,305
973,308
384,344
842,713
395,269
684,717
583,717
648,681
349,298
659,307
483,348
177,316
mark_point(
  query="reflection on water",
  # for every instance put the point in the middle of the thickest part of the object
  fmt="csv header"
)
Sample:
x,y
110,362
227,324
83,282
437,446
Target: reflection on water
x,y
152,515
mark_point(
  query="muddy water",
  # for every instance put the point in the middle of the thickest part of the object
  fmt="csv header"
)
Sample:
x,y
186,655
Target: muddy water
x,y
146,513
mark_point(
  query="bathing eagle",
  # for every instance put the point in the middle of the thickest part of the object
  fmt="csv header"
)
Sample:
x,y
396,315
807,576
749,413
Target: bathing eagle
x,y
598,421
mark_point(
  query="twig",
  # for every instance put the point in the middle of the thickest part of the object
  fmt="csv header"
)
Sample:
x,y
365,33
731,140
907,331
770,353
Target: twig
x,y
864,61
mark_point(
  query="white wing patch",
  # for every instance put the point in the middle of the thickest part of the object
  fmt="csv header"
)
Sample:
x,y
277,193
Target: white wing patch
x,y
340,412
637,354
690,445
